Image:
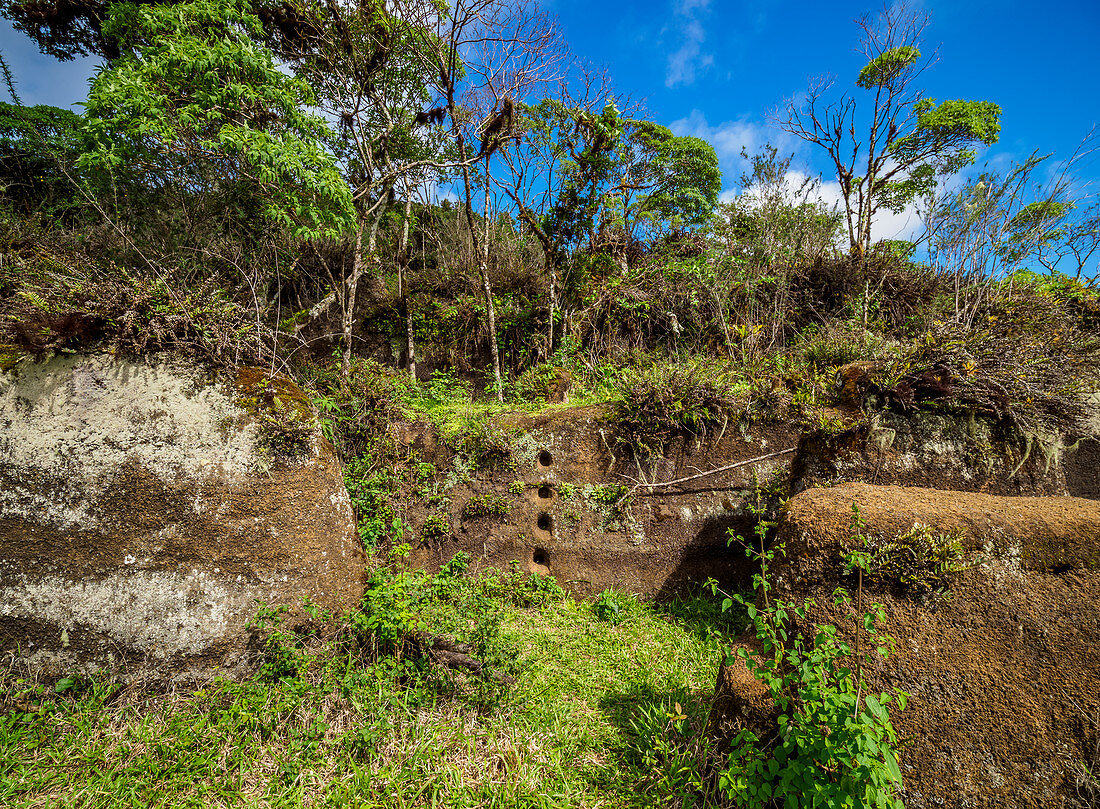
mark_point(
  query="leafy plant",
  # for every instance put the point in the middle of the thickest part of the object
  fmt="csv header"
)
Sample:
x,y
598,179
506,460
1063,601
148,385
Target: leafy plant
x,y
834,743
435,526
487,504
606,607
918,560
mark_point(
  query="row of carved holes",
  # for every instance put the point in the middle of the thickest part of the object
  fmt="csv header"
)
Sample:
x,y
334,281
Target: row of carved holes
x,y
540,556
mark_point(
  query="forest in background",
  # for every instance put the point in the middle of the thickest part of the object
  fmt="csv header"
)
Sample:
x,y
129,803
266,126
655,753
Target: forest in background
x,y
261,182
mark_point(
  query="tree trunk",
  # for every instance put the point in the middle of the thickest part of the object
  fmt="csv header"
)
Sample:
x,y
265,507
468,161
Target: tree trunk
x,y
358,270
552,275
402,290
483,264
349,301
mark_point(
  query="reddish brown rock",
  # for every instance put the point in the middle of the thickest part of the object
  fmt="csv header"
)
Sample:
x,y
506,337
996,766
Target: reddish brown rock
x,y
1004,673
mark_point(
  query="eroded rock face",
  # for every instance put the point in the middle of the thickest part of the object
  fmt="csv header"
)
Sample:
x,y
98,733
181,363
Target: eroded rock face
x,y
142,517
1004,674
560,515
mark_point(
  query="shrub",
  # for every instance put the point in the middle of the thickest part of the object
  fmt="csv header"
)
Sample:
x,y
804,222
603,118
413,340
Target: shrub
x,y
488,504
837,346
539,384
484,444
834,743
662,402
436,526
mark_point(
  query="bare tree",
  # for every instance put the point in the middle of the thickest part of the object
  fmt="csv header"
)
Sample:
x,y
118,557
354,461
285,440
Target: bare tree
x,y
488,55
533,176
896,154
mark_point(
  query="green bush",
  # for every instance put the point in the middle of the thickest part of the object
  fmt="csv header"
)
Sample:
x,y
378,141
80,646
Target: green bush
x,y
823,349
537,384
435,526
834,744
488,504
659,403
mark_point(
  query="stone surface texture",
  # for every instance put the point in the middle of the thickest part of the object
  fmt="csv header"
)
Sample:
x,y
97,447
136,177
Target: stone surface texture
x,y
143,516
1002,671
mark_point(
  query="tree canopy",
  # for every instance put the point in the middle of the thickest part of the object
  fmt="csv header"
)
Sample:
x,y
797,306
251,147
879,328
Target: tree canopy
x,y
897,152
195,101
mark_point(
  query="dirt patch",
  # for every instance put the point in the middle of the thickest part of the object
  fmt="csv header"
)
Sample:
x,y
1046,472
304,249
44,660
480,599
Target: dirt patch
x,y
1083,469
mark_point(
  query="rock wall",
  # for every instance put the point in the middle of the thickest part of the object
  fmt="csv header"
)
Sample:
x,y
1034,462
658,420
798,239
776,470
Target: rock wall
x,y
143,515
556,510
558,492
1003,673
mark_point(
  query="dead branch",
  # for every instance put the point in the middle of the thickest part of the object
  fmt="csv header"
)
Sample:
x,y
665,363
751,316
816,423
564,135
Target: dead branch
x,y
726,468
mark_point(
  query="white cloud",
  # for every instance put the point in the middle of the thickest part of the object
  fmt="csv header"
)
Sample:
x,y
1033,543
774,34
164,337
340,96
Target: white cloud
x,y
730,137
688,17
905,225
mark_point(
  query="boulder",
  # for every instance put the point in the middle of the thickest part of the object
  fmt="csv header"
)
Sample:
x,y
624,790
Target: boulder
x,y
147,507
1003,671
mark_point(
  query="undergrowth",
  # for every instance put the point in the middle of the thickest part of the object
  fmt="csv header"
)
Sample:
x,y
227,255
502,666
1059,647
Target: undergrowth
x,y
354,710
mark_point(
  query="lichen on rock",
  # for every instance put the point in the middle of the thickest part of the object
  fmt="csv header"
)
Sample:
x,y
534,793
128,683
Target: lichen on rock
x,y
136,522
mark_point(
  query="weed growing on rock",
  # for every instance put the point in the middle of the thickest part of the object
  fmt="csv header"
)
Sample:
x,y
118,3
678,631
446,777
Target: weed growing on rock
x,y
834,744
487,504
918,561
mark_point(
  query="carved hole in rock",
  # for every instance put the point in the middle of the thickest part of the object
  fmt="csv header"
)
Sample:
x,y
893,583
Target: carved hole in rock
x,y
545,459
540,557
544,491
544,522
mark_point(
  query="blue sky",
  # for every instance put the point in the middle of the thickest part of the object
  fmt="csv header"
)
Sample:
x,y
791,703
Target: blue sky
x,y
715,68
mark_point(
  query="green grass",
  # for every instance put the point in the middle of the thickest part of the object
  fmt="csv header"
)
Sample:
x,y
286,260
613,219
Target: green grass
x,y
340,728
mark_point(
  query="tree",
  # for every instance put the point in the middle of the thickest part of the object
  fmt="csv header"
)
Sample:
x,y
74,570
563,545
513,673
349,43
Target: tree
x,y
195,102
371,71
36,144
908,141
486,55
582,168
553,169
665,182
777,221
997,223
65,29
